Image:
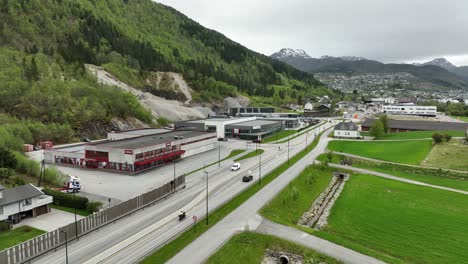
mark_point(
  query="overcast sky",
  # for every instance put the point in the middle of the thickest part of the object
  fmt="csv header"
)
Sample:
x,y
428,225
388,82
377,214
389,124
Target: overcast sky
x,y
386,30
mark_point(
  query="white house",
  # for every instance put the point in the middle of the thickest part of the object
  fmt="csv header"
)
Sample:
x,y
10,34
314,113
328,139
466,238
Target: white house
x,y
346,130
309,106
23,201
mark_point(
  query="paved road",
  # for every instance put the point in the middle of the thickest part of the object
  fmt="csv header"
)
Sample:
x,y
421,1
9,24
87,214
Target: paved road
x,y
396,178
396,163
132,238
333,250
246,214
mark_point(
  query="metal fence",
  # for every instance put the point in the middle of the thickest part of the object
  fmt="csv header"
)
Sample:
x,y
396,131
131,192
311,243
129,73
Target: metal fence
x,y
26,251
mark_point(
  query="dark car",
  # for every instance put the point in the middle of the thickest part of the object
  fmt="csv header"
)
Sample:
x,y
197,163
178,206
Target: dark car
x,y
86,140
257,141
222,139
247,178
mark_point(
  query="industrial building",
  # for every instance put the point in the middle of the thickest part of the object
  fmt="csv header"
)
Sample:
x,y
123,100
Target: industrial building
x,y
130,152
288,120
236,111
245,127
410,110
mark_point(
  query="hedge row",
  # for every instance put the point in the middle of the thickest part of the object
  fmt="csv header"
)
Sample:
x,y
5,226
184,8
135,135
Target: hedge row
x,y
68,200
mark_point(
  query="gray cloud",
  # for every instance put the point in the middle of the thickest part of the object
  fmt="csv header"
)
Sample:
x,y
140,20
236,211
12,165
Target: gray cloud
x,y
386,30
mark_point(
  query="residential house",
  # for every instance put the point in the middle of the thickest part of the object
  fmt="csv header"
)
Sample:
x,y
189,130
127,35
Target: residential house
x,y
21,202
346,130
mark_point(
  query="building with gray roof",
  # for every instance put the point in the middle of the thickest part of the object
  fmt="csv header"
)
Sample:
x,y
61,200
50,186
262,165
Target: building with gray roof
x,y
410,125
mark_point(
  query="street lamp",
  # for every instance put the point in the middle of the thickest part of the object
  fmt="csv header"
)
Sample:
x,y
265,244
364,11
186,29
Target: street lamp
x,y
206,196
76,223
66,245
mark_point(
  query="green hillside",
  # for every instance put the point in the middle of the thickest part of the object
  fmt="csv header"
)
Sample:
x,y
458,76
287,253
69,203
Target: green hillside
x,y
134,37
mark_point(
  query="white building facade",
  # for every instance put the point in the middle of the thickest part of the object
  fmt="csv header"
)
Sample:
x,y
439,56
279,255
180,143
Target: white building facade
x,y
410,110
346,130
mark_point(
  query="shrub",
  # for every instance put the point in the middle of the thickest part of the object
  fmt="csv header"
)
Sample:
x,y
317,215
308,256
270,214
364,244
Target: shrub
x,y
447,137
68,200
6,172
377,129
4,226
94,206
437,138
19,181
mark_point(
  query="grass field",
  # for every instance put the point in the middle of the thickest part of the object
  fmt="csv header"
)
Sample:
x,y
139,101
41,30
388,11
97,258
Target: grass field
x,y
420,134
462,118
431,176
451,155
248,247
402,223
15,236
278,136
71,210
289,205
166,252
409,152
250,155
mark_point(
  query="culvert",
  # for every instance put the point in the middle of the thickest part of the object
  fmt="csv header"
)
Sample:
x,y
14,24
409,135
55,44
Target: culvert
x,y
283,259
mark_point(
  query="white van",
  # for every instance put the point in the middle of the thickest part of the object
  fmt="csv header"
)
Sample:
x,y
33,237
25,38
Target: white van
x,y
235,167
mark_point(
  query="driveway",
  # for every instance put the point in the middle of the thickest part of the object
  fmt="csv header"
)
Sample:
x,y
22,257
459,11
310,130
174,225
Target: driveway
x,y
50,221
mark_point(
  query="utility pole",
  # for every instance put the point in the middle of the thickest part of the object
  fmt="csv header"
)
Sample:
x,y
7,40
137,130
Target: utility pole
x,y
76,223
173,161
206,195
219,154
260,168
66,245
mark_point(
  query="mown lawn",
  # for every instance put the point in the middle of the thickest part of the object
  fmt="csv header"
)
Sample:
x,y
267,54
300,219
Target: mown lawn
x,y
404,222
248,247
431,176
289,205
279,136
250,155
409,152
451,155
15,236
71,210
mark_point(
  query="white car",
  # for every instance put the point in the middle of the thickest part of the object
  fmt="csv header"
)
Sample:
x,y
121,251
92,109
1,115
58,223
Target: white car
x,y
235,167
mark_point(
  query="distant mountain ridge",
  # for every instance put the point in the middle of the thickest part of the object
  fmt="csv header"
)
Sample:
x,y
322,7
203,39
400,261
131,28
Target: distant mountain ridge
x,y
438,74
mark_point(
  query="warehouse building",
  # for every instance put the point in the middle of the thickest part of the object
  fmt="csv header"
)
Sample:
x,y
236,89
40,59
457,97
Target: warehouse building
x,y
254,129
135,153
410,110
409,125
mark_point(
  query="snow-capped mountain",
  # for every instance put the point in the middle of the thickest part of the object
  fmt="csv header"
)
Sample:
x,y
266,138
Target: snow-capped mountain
x,y
286,53
441,62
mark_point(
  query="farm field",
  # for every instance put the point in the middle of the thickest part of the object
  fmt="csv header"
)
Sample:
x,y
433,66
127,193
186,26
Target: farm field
x,y
409,152
402,223
248,247
289,205
451,155
420,134
431,176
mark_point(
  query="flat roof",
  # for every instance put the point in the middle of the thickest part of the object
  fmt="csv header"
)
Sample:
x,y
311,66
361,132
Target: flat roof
x,y
143,132
258,122
149,140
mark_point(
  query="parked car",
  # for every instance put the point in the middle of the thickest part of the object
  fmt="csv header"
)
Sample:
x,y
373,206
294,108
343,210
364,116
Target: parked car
x,y
86,140
257,141
37,147
247,178
235,167
222,139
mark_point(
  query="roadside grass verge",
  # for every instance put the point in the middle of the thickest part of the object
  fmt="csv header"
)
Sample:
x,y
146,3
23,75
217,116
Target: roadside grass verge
x,y
278,136
232,154
170,249
294,200
407,223
427,175
249,247
409,152
71,210
15,236
450,155
461,118
250,155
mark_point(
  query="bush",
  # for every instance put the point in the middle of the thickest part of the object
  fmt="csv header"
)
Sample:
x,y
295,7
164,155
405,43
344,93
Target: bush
x,y
4,226
19,181
54,176
67,200
377,129
94,206
437,138
447,137
6,172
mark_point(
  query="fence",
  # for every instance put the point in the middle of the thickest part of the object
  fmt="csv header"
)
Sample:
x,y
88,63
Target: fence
x,y
30,249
